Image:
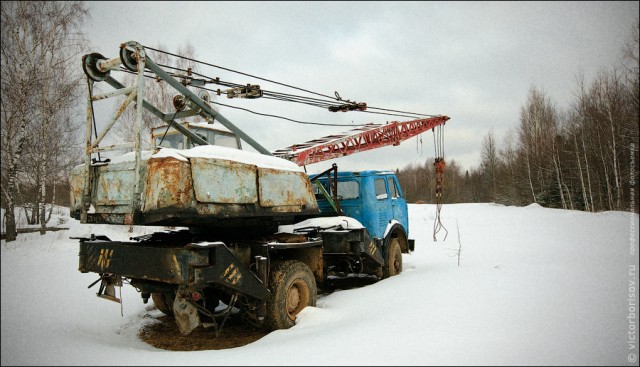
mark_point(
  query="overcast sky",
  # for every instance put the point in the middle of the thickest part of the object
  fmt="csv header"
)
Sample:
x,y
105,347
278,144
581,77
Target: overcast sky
x,y
472,61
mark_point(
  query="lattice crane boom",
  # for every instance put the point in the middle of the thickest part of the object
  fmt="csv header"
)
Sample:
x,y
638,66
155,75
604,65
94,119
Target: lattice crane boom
x,y
370,136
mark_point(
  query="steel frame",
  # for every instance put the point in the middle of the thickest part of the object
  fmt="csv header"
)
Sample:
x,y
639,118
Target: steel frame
x,y
133,57
357,140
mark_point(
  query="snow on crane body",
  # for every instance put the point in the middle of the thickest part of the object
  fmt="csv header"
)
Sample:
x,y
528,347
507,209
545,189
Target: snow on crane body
x,y
261,232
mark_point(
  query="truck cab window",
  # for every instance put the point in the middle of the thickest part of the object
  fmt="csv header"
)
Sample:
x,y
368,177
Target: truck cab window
x,y
348,190
395,193
170,141
381,189
228,141
191,145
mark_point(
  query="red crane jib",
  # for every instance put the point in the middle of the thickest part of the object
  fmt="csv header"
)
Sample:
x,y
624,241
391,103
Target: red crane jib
x,y
370,136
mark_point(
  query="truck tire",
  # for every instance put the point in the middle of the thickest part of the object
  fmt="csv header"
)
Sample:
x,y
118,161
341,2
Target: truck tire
x,y
164,302
393,261
293,288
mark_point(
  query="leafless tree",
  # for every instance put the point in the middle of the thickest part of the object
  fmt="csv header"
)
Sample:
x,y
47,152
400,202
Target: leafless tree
x,y
489,164
509,179
40,48
537,127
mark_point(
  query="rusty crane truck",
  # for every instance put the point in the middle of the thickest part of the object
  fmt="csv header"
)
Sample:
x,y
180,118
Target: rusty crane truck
x,y
255,232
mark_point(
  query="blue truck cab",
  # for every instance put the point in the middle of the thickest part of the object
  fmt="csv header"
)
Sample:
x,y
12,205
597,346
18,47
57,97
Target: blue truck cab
x,y
375,199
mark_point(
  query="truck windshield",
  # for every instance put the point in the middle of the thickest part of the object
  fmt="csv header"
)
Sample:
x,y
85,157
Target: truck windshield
x,y
170,141
176,140
346,189
202,134
228,141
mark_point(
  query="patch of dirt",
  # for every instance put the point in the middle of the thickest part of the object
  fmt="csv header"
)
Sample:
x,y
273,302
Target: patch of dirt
x,y
164,334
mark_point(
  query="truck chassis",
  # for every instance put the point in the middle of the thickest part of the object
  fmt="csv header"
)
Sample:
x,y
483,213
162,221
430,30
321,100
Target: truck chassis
x,y
269,279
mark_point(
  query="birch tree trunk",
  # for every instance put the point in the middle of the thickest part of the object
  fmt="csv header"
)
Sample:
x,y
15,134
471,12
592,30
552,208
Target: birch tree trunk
x,y
559,179
608,96
43,192
533,193
586,162
585,199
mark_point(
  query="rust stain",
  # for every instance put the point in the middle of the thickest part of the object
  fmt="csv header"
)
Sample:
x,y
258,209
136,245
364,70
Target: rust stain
x,y
285,191
168,183
175,191
76,182
224,182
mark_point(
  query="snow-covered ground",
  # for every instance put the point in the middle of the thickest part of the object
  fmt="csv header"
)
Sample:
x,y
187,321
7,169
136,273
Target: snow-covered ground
x,y
534,286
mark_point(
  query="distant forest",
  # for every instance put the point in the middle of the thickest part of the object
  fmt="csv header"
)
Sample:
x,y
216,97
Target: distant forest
x,y
582,157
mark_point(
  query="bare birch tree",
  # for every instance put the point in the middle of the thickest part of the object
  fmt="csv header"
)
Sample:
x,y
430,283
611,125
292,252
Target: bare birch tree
x,y
40,48
538,120
489,164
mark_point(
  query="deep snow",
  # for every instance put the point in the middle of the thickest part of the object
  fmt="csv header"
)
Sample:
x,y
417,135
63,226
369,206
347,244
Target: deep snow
x,y
534,286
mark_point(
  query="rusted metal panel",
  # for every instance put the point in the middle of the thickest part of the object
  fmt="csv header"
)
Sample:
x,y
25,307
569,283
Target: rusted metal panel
x,y
113,188
284,188
168,184
201,192
222,181
76,182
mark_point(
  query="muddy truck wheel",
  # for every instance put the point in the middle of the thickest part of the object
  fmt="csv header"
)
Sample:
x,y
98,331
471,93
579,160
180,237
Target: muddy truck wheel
x,y
164,302
293,288
393,260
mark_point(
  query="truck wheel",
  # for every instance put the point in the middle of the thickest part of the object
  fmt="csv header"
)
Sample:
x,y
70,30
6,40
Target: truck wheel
x,y
164,302
393,260
293,288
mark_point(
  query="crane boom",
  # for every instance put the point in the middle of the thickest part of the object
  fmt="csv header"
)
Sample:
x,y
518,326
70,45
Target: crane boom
x,y
367,137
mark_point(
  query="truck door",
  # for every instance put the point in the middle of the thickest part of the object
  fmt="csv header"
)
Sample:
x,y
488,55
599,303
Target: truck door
x,y
383,207
398,203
